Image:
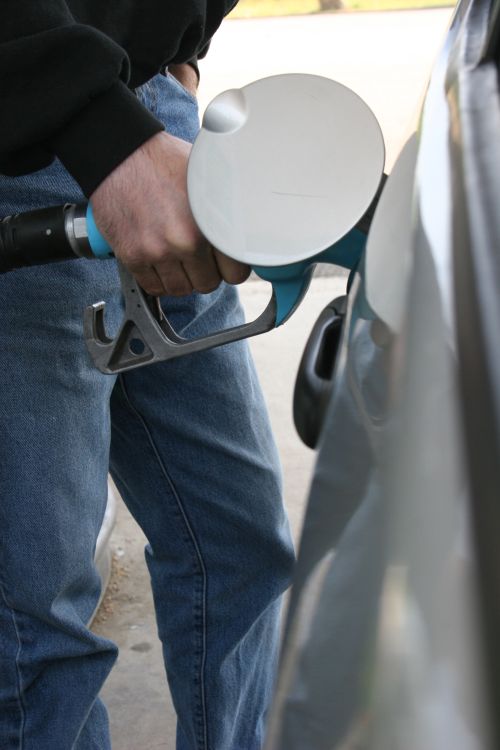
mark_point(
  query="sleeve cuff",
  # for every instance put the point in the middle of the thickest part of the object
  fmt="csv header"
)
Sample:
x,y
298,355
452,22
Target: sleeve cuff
x,y
102,135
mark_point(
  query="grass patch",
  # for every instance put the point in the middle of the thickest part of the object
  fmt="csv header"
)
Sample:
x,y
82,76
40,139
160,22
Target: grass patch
x,y
263,8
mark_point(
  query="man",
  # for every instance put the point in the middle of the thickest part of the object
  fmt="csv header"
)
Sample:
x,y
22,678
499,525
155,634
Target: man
x,y
88,109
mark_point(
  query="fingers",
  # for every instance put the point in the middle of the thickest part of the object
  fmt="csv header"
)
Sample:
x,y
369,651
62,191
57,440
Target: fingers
x,y
200,272
194,272
148,279
207,269
174,280
232,271
203,271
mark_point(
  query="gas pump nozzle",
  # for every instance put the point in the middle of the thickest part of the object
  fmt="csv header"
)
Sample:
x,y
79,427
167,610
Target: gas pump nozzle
x,y
68,232
222,157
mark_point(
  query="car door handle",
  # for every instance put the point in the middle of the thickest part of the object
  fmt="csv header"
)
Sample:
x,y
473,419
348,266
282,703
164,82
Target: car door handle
x,y
315,376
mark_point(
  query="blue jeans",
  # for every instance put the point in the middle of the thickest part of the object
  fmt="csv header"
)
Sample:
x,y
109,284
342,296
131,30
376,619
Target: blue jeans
x,y
189,446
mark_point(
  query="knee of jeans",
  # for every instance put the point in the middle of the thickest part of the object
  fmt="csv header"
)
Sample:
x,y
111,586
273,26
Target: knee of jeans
x,y
47,584
42,656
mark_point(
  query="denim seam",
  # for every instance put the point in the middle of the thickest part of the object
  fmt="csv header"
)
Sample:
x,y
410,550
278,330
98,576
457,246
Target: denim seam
x,y
202,656
22,706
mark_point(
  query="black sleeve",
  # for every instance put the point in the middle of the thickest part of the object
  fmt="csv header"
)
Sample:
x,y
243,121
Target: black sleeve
x,y
63,89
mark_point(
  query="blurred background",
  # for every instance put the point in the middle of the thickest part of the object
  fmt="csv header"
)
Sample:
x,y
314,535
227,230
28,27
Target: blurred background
x,y
260,8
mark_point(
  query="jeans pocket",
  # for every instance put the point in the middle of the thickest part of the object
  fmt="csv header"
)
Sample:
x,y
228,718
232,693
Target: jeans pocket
x,y
182,88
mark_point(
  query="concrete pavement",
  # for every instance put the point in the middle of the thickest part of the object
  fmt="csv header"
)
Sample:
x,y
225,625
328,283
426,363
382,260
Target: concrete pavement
x,y
385,58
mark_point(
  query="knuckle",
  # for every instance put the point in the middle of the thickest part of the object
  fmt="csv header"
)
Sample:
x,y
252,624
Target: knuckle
x,y
192,251
153,250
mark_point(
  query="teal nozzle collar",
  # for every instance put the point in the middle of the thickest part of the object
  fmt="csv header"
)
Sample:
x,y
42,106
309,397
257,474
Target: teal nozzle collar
x,y
290,282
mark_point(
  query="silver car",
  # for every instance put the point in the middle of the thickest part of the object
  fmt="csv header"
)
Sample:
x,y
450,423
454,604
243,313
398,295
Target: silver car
x,y
393,634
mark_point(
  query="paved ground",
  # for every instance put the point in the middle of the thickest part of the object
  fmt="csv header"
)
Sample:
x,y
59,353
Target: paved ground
x,y
385,58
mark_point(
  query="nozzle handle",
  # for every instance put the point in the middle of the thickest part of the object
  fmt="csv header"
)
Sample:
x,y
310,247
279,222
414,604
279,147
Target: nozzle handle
x,y
290,282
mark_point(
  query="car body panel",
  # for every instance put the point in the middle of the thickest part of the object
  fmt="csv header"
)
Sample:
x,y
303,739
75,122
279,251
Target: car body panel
x,y
391,637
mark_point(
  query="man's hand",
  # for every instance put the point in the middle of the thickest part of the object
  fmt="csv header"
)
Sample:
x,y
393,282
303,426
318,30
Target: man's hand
x,y
142,210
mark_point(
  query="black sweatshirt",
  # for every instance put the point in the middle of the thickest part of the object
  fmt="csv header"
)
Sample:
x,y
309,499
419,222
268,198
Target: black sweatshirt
x,y
67,68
